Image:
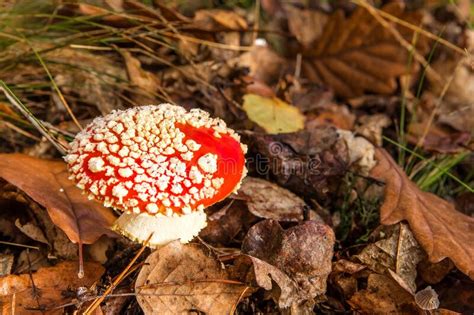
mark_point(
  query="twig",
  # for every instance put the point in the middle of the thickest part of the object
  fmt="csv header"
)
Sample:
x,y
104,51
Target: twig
x,y
19,245
120,277
34,289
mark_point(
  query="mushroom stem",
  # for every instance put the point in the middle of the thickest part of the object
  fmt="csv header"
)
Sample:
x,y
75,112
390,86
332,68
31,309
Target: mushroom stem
x,y
165,229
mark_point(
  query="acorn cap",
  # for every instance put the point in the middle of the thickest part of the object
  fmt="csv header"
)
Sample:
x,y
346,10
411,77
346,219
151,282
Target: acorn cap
x,y
161,165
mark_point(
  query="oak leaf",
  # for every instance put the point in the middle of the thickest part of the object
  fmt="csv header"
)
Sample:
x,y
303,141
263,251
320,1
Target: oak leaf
x,y
356,54
177,279
437,226
47,183
51,284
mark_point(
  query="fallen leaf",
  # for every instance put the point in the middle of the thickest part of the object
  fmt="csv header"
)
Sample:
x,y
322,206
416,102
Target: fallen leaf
x,y
179,278
399,252
52,285
371,127
32,231
264,64
303,252
272,114
47,182
6,263
224,225
146,81
433,273
269,201
99,75
383,296
455,109
310,162
306,25
356,54
437,226
265,275
344,276
217,18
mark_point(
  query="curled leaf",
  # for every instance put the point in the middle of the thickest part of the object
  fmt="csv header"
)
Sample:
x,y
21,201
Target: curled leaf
x,y
437,226
46,182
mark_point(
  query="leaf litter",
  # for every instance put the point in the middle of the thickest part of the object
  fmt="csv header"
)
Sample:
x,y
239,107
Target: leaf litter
x,y
327,221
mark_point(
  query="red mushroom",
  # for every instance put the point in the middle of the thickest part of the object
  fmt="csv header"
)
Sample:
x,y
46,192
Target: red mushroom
x,y
160,165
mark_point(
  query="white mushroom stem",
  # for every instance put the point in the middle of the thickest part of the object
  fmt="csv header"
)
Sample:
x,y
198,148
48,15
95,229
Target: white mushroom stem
x,y
138,227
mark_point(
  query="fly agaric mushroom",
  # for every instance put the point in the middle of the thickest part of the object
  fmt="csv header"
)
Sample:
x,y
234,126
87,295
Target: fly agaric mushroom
x,y
159,164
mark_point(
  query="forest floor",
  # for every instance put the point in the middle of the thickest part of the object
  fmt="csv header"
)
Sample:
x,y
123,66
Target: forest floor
x,y
359,121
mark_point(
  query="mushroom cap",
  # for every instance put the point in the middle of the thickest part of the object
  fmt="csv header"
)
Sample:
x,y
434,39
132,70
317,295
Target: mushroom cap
x,y
157,160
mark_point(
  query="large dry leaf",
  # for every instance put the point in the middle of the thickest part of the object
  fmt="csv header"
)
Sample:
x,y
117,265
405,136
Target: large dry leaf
x,y
356,54
310,162
399,253
272,114
383,296
146,81
438,227
303,252
269,201
47,182
306,25
177,279
52,286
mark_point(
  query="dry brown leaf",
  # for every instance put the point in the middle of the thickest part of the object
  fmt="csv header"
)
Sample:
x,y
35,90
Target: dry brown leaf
x,y
303,252
52,284
306,25
456,108
309,162
400,252
6,264
224,225
437,226
47,182
179,278
286,290
356,54
263,63
383,296
218,19
269,201
144,80
32,231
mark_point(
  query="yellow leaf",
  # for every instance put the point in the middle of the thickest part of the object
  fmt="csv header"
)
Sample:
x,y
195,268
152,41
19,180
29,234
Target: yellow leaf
x,y
272,114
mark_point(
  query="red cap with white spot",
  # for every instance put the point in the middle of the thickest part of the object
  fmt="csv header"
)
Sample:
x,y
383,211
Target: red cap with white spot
x,y
159,164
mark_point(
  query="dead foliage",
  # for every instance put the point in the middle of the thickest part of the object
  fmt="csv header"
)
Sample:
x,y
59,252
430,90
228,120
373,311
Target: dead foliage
x,y
178,278
47,182
47,289
437,226
324,223
357,54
